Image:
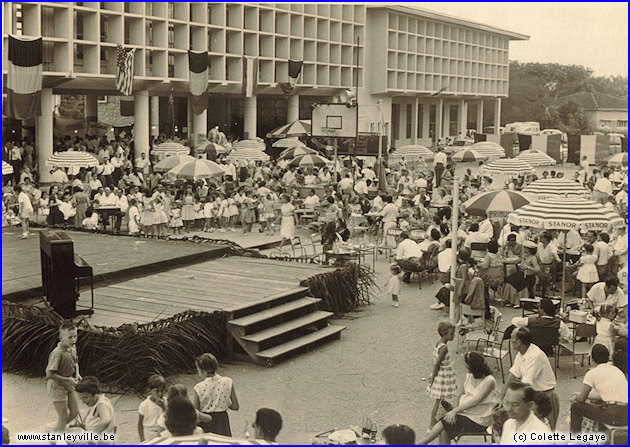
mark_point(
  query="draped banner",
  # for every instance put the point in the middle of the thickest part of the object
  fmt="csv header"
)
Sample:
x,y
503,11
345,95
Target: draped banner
x,y
198,75
124,70
24,78
295,69
250,76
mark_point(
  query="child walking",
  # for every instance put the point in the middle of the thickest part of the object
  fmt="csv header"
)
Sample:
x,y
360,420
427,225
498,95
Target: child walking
x,y
214,396
442,384
152,408
587,273
393,284
62,373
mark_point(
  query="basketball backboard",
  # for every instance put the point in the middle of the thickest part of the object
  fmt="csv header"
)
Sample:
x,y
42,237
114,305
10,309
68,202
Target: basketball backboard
x,y
334,120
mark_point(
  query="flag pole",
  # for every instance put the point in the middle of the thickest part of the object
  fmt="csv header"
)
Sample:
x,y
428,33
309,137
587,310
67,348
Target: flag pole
x,y
453,312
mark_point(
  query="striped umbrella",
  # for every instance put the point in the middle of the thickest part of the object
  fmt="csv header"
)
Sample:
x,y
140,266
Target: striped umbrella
x,y
536,158
560,213
507,167
196,169
288,142
556,187
244,153
297,128
489,148
496,203
292,152
73,160
170,162
619,159
469,156
249,144
7,169
205,439
170,148
416,150
310,160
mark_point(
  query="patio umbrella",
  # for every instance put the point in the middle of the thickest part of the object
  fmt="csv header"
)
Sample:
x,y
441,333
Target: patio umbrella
x,y
489,148
536,158
170,162
244,153
205,439
292,152
414,150
196,169
496,203
297,128
619,159
203,148
249,144
7,169
310,160
469,156
556,187
170,148
507,167
73,160
288,142
565,214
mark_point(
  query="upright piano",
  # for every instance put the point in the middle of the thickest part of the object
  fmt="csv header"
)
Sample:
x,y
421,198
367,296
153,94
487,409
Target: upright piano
x,y
62,270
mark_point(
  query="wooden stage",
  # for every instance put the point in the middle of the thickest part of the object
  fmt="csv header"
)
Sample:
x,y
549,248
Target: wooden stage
x,y
224,284
113,258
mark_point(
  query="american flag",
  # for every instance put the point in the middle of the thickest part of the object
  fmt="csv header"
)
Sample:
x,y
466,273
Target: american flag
x,y
124,70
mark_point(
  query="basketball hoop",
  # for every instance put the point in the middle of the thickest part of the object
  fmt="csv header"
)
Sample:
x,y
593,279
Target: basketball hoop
x,y
330,132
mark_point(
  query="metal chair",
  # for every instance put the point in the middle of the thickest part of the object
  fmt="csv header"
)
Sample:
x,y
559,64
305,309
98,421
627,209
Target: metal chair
x,y
317,249
488,335
496,350
582,348
547,337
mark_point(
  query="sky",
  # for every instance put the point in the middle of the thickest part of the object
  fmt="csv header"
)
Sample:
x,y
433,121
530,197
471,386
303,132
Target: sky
x,y
591,34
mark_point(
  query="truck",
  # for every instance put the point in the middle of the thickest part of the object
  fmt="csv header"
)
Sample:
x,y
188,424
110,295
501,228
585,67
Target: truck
x,y
525,127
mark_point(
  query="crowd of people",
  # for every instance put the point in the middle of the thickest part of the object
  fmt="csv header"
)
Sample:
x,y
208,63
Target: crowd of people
x,y
409,213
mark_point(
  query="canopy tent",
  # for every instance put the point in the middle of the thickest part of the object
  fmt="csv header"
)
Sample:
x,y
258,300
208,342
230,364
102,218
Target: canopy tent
x,y
196,169
496,203
556,187
536,158
296,128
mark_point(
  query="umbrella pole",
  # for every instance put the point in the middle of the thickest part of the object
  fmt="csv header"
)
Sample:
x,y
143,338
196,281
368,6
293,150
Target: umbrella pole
x,y
564,267
454,312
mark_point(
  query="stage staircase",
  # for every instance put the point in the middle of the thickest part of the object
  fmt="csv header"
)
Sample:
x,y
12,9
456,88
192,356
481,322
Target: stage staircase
x,y
281,326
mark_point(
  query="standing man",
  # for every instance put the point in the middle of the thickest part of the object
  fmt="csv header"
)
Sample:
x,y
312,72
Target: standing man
x,y
602,189
587,168
532,366
440,165
25,210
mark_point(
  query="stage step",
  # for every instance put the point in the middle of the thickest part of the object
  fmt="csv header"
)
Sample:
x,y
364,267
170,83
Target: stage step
x,y
281,325
300,344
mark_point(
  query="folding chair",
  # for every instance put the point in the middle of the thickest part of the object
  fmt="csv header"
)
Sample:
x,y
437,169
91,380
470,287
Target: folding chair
x,y
582,348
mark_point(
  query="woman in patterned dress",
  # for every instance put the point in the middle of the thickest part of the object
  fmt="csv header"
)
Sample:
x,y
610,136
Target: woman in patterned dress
x,y
443,383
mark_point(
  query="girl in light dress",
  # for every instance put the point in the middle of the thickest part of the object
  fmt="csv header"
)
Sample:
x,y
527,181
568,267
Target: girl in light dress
x,y
146,216
188,209
134,216
176,223
393,284
442,383
606,331
587,273
267,214
248,212
42,209
208,213
287,219
160,219
233,213
224,213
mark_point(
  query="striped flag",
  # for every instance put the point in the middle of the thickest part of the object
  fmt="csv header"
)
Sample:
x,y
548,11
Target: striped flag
x,y
198,74
250,76
24,78
295,69
124,70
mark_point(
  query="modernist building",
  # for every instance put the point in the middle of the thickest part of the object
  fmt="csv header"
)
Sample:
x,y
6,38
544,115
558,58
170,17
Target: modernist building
x,y
417,70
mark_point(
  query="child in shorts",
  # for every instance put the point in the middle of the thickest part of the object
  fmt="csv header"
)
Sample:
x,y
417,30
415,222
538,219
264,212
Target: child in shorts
x,y
62,373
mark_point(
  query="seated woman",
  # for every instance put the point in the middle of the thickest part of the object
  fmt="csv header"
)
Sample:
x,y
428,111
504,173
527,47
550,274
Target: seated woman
x,y
491,267
474,412
100,417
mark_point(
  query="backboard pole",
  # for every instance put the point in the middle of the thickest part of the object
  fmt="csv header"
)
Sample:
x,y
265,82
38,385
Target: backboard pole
x,y
336,179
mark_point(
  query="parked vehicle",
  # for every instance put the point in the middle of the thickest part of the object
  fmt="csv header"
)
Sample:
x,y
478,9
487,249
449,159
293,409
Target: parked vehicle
x,y
525,127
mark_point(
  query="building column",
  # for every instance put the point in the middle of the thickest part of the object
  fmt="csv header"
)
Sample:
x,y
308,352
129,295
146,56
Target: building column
x,y
480,116
91,109
463,118
155,116
200,128
414,123
439,114
497,115
44,134
249,117
293,109
141,123
446,121
426,118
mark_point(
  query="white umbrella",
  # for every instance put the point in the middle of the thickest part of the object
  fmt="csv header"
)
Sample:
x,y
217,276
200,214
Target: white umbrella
x,y
288,142
297,128
249,144
197,169
499,202
415,150
292,152
556,187
170,148
310,160
469,156
203,147
489,148
7,169
73,160
536,158
619,159
244,153
508,167
170,162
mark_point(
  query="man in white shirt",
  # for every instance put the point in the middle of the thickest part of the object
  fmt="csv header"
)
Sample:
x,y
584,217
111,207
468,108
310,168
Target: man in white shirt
x,y
389,215
288,177
587,167
25,210
610,385
532,366
603,188
312,199
604,252
123,203
405,182
608,292
143,164
439,164
368,173
620,245
408,254
420,182
345,185
310,178
572,240
474,235
361,187
523,426
486,228
59,176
